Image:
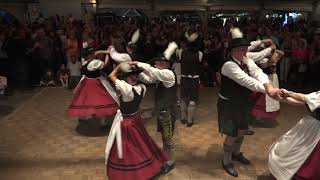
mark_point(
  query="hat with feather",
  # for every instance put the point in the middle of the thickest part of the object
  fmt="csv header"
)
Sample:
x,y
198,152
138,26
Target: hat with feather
x,y
237,38
134,39
166,55
191,38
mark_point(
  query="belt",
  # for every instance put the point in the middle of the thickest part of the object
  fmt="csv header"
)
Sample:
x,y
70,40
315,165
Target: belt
x,y
190,76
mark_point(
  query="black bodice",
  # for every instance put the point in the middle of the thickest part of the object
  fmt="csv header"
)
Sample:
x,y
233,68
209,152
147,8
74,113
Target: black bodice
x,y
131,107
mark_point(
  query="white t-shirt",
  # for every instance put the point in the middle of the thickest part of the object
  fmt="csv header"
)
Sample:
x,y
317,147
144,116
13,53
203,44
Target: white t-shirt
x,y
74,68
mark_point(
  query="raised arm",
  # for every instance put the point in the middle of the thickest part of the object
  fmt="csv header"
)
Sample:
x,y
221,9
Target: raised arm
x,y
296,96
119,57
257,56
121,85
166,76
146,79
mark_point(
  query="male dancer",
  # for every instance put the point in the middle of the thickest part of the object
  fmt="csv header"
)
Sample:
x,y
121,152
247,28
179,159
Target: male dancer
x,y
190,74
239,76
165,99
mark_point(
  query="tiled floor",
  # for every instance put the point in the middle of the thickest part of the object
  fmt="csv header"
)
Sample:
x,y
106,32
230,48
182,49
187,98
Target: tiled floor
x,y
39,142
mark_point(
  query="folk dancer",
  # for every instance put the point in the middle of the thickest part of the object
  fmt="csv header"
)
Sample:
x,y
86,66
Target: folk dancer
x,y
130,151
296,154
190,79
239,76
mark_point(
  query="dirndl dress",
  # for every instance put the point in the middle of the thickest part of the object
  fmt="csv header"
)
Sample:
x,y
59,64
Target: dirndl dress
x,y
131,153
141,158
93,96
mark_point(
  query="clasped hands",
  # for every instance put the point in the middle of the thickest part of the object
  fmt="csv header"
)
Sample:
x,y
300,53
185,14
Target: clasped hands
x,y
276,93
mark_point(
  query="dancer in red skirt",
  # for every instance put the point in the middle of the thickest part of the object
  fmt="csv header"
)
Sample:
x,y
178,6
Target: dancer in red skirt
x,y
94,95
266,56
131,154
296,155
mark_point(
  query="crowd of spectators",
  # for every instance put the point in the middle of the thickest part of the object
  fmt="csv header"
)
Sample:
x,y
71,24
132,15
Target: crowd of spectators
x,y
50,49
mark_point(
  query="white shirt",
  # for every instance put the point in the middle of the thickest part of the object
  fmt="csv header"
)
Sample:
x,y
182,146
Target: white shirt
x,y
119,57
126,90
153,75
261,56
255,44
254,82
74,68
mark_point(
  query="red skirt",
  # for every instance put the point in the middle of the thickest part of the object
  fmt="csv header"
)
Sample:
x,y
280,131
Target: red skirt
x,y
259,108
142,158
92,98
311,168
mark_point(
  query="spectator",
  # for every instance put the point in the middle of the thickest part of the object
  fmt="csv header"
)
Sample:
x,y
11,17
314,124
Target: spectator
x,y
17,51
72,46
285,62
44,49
48,79
63,76
74,68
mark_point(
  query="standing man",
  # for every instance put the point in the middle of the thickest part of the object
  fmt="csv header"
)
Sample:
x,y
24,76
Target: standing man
x,y
239,76
190,74
165,99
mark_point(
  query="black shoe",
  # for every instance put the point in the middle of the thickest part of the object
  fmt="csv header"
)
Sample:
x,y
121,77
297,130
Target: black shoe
x,y
166,168
183,121
104,128
240,158
85,121
250,132
189,124
230,169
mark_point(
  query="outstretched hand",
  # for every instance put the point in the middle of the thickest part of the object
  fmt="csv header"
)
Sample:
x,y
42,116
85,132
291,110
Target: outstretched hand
x,y
285,93
274,93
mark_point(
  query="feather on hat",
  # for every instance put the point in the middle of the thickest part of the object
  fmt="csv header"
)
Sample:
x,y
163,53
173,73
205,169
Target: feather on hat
x,y
135,36
236,33
193,37
170,50
237,39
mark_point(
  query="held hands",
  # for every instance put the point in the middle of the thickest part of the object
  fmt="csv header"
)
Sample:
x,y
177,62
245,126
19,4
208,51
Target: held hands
x,y
285,93
274,93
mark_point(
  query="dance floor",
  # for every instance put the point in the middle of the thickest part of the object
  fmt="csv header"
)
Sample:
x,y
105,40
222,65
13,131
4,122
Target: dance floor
x,y
39,142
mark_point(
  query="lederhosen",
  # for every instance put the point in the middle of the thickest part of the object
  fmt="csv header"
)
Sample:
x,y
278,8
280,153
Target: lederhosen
x,y
165,103
142,158
190,71
233,108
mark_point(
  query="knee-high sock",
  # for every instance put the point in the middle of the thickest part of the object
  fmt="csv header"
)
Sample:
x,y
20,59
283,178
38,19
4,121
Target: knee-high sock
x,y
183,108
170,149
227,153
178,94
103,122
237,145
191,111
